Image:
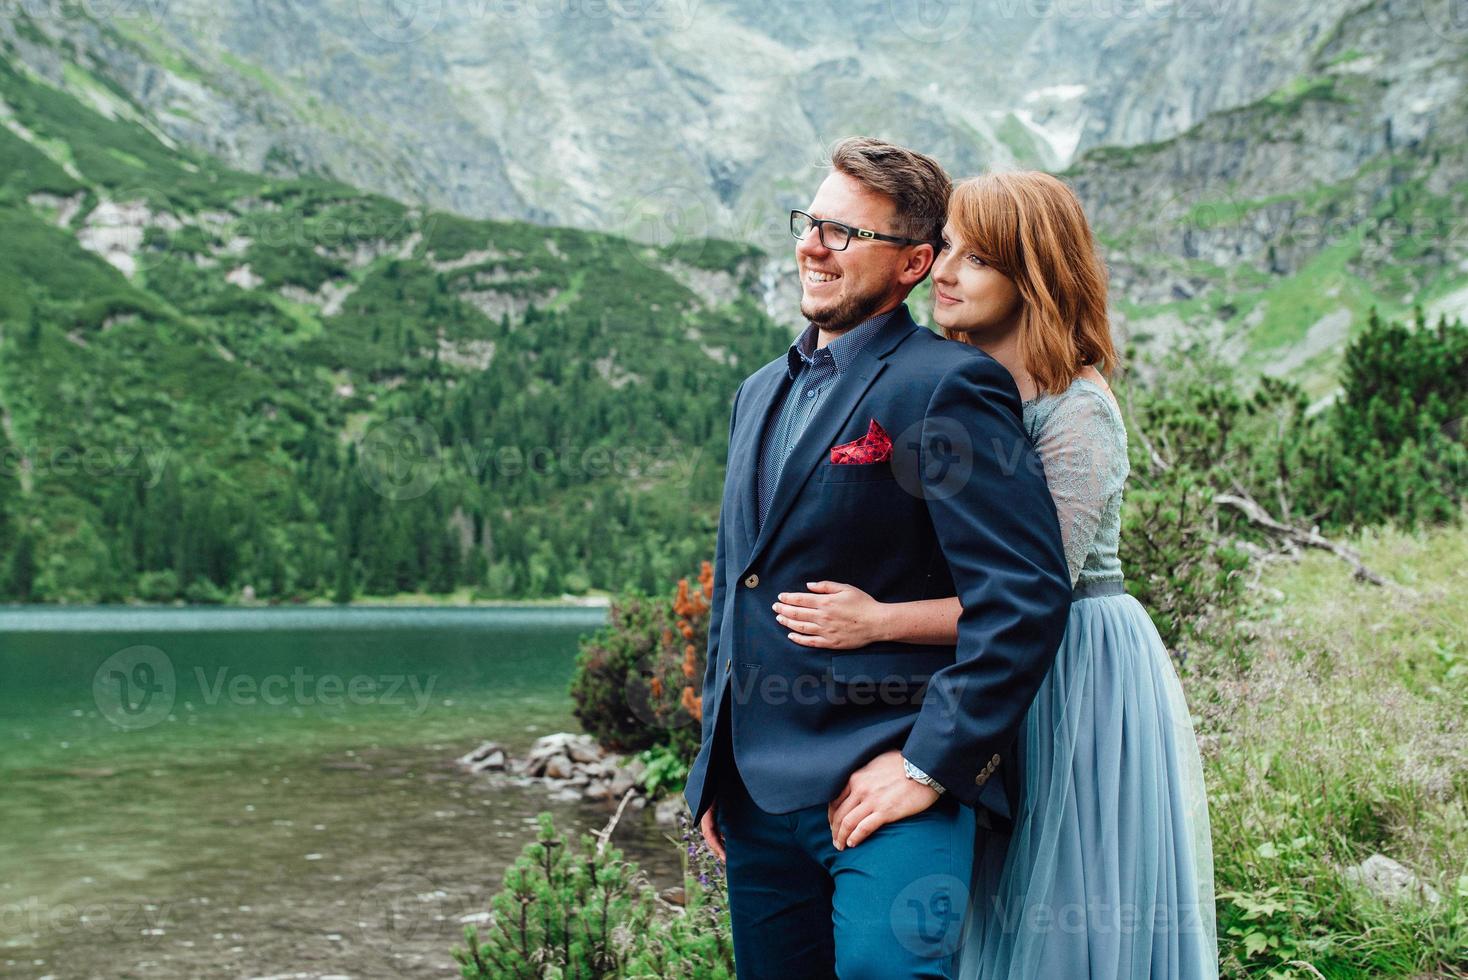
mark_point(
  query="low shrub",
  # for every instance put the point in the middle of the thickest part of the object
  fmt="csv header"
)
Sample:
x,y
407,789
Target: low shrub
x,y
583,911
637,681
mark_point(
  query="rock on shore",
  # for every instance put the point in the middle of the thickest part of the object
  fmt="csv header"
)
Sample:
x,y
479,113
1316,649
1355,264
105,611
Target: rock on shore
x,y
574,768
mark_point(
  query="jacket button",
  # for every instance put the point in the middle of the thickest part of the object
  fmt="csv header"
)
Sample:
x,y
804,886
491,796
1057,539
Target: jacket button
x,y
752,581
979,779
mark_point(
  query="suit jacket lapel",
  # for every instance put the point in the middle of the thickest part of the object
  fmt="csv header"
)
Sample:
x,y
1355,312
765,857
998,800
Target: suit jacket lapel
x,y
812,447
815,442
765,397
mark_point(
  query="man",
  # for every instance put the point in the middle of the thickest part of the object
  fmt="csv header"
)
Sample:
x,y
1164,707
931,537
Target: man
x,y
843,788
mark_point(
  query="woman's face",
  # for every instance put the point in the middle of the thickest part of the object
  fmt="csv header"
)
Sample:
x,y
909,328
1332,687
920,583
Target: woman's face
x,y
971,296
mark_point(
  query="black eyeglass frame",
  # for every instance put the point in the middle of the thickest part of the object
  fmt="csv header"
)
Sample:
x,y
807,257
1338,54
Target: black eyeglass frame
x,y
865,234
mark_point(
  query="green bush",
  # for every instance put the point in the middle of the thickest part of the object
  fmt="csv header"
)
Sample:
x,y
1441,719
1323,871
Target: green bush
x,y
584,912
637,681
1393,442
562,913
665,769
1389,449
159,586
609,695
1175,561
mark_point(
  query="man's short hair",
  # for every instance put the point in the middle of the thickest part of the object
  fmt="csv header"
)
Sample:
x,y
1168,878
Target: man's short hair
x,y
914,182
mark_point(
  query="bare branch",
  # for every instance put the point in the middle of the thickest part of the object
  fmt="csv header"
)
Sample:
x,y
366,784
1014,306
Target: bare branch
x,y
1258,516
605,833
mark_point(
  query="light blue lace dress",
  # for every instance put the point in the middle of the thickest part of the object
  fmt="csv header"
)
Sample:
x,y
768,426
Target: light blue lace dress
x,y
1109,871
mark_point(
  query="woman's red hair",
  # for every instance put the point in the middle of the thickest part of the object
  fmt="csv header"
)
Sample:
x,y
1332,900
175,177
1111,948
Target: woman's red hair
x,y
1031,227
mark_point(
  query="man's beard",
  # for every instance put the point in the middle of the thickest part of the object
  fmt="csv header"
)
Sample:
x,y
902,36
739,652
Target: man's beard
x,y
850,312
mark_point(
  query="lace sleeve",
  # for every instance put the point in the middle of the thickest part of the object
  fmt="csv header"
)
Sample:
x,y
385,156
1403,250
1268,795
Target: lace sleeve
x,y
1082,444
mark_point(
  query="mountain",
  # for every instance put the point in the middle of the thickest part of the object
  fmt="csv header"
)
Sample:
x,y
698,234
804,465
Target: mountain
x,y
659,119
273,320
216,384
1230,154
1268,231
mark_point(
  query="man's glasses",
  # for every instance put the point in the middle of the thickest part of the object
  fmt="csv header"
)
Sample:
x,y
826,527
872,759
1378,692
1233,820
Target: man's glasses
x,y
836,236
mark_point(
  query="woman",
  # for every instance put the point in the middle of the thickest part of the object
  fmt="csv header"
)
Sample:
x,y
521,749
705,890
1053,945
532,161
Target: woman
x,y
1108,872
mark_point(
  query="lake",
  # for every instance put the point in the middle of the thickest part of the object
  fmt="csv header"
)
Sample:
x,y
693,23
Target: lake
x,y
271,792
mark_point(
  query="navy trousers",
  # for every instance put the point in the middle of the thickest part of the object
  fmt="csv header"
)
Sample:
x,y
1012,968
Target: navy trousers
x,y
893,906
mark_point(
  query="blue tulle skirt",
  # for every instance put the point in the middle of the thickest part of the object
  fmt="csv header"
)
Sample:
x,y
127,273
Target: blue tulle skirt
x,y
1109,871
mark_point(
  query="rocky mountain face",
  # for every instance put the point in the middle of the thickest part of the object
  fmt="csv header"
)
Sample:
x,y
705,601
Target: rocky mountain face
x,y
1262,171
661,119
1277,225
1152,70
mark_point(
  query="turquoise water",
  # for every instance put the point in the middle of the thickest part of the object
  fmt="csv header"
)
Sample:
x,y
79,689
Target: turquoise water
x,y
269,792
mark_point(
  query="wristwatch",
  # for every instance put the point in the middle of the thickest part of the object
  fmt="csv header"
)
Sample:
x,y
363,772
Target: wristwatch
x,y
913,772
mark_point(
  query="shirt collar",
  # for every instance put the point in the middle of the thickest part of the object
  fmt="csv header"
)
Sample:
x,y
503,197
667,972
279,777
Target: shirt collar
x,y
841,350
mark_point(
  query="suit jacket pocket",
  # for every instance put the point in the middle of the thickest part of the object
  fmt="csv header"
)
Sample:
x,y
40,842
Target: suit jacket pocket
x,y
855,472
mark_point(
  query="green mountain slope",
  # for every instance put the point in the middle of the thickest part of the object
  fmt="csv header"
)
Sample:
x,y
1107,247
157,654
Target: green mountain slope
x,y
214,383
1269,231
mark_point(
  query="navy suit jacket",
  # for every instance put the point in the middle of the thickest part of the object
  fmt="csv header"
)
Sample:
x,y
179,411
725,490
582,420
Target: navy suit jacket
x,y
961,509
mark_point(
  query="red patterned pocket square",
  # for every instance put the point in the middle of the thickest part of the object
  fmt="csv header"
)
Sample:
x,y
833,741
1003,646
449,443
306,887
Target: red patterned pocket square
x,y
874,447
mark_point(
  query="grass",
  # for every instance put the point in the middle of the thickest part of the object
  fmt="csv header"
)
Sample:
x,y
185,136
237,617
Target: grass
x,y
1322,286
1340,732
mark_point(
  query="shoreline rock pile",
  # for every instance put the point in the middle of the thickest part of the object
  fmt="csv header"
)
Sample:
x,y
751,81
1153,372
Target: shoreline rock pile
x,y
575,769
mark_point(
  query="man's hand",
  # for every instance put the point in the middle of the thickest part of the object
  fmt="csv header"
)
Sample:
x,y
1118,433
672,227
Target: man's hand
x,y
711,833
878,793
